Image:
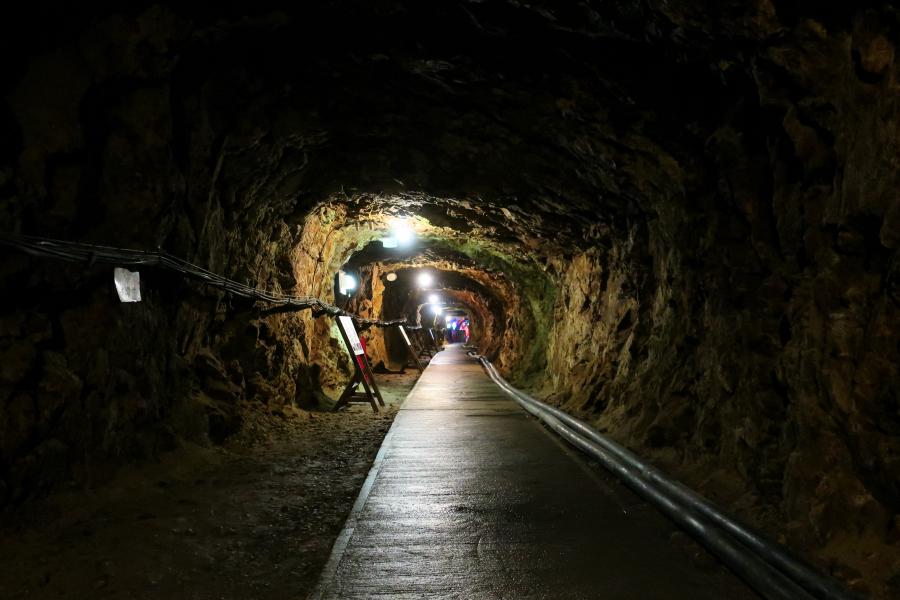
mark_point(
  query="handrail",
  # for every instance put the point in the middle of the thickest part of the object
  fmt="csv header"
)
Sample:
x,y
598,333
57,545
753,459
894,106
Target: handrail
x,y
769,569
124,257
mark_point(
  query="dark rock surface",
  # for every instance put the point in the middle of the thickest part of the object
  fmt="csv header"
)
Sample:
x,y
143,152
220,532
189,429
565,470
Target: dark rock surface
x,y
678,219
253,518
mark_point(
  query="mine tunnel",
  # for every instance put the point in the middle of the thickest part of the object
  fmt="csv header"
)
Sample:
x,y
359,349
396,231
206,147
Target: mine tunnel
x,y
233,240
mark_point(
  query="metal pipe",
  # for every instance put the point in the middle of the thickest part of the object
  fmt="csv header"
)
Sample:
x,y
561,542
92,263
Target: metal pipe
x,y
765,580
811,580
633,468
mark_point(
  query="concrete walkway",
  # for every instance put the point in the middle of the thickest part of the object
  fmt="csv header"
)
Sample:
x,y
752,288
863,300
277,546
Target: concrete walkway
x,y
471,498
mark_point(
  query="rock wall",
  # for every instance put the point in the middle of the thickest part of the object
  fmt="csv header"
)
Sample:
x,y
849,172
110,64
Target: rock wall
x,y
110,145
750,340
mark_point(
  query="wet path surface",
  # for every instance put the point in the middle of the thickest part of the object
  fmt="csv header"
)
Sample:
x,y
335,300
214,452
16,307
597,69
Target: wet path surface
x,y
470,498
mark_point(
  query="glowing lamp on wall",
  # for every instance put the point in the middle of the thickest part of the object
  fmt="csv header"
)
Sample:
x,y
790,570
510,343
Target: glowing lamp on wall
x,y
346,283
433,298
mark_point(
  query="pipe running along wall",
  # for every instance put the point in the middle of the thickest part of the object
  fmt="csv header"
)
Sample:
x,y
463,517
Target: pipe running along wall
x,y
685,507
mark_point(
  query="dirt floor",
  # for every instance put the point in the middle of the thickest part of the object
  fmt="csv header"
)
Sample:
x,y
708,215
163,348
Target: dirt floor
x,y
254,519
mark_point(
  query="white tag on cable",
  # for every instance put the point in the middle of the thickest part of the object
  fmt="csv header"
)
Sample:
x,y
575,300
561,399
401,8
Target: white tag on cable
x,y
128,284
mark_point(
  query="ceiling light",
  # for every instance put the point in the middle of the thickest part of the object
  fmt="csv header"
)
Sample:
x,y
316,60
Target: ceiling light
x,y
425,279
403,233
391,277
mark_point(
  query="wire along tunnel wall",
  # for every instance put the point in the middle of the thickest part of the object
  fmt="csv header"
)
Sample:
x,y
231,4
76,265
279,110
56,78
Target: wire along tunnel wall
x,y
90,254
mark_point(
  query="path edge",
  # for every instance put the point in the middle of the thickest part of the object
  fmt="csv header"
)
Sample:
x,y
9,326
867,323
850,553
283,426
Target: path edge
x,y
326,579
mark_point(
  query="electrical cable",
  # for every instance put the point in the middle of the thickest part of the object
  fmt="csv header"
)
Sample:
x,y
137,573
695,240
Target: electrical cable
x,y
124,257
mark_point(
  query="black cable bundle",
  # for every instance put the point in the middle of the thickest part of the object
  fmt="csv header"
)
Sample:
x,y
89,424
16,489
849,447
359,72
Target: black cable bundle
x,y
123,257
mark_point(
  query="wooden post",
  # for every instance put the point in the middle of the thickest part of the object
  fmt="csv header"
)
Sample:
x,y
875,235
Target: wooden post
x,y
421,339
431,338
414,361
362,372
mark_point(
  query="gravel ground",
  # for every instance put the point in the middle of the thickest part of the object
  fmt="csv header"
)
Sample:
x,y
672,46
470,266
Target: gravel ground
x,y
252,520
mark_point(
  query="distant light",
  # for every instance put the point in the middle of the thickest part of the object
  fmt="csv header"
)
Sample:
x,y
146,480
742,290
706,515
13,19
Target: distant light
x,y
433,298
436,309
403,233
425,279
389,242
447,319
391,277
